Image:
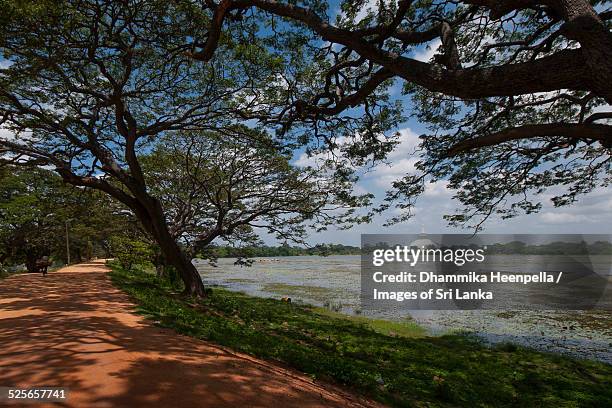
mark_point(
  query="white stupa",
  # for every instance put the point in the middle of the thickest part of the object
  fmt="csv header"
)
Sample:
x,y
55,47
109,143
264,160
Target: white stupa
x,y
424,241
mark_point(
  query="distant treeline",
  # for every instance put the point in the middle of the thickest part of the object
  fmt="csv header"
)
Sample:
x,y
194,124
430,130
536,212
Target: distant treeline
x,y
283,250
519,247
514,247
554,248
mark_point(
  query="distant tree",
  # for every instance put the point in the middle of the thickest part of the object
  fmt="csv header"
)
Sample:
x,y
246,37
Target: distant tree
x,y
601,248
27,225
285,250
553,248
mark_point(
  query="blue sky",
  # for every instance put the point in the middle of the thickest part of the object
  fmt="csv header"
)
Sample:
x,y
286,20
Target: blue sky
x,y
592,214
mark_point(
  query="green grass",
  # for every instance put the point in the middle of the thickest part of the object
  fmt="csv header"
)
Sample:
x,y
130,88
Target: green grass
x,y
405,328
400,368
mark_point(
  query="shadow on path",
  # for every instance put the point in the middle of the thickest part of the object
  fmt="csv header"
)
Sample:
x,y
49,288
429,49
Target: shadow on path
x,y
74,329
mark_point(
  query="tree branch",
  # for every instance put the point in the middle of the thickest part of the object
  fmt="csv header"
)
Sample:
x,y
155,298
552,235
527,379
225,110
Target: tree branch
x,y
563,70
214,32
499,8
601,133
351,100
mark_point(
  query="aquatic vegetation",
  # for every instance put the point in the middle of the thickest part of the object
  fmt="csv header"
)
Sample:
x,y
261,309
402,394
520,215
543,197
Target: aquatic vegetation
x,y
332,305
317,293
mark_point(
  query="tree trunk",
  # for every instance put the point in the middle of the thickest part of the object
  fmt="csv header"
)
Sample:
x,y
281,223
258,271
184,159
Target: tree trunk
x,y
30,262
150,213
188,273
161,265
159,270
584,25
154,221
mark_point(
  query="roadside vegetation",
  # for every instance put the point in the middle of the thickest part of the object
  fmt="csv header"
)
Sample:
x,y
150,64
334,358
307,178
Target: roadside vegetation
x,y
40,216
400,367
4,273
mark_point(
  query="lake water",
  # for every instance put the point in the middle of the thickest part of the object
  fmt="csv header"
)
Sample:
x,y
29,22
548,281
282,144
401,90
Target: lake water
x,y
334,282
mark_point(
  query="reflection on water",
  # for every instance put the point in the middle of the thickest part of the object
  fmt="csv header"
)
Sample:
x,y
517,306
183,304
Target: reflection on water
x,y
334,281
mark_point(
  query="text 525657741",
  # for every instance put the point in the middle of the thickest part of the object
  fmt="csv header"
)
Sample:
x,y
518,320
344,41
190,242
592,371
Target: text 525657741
x,y
34,394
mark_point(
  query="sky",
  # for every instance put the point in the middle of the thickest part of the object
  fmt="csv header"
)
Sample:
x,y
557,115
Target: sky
x,y
592,214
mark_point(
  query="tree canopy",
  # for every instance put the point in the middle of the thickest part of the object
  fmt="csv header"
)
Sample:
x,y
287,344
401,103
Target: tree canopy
x,y
517,94
87,87
234,183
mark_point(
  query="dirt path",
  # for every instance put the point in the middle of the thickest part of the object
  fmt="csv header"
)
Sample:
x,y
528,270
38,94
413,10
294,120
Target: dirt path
x,y
74,329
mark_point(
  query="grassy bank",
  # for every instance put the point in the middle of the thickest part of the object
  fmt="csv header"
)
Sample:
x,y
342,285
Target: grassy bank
x,y
398,367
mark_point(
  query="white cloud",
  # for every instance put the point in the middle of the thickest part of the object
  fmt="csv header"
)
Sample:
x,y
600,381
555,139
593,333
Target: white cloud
x,y
317,161
306,161
396,168
438,189
426,53
590,209
562,218
9,135
6,134
603,108
400,162
408,142
384,174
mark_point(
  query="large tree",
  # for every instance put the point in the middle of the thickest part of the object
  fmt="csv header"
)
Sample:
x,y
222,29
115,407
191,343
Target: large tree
x,y
235,183
517,94
88,86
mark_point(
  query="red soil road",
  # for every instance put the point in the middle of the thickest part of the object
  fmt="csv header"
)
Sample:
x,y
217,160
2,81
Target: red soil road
x,y
74,329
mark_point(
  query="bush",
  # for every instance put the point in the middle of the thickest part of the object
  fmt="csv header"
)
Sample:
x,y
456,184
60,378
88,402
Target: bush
x,y
172,277
131,252
3,272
